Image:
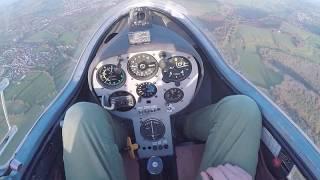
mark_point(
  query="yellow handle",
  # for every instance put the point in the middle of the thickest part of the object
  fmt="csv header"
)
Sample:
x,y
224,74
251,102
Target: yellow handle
x,y
131,148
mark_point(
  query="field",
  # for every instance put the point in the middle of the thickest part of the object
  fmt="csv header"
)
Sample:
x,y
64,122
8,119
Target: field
x,y
276,51
25,102
40,37
34,89
40,44
246,42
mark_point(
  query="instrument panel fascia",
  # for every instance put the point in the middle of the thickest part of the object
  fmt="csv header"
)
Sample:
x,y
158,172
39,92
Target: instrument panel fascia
x,y
162,40
163,109
188,85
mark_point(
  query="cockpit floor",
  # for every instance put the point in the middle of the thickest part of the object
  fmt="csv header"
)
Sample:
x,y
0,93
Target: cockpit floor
x,y
188,161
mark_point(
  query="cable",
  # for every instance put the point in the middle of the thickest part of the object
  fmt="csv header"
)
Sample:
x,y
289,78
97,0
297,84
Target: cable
x,y
110,108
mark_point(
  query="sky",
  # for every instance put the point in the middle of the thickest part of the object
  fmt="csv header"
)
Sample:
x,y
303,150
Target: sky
x,y
7,2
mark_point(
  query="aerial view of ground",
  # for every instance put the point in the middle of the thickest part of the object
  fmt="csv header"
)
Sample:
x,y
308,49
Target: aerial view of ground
x,y
40,42
274,44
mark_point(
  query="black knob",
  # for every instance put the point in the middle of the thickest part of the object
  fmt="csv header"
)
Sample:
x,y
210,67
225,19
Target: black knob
x,y
162,54
141,16
155,165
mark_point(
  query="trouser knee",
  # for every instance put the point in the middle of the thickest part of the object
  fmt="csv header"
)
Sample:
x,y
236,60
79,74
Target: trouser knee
x,y
89,115
241,108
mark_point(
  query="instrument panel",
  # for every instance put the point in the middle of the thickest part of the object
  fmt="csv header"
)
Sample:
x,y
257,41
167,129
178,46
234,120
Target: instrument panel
x,y
147,88
148,75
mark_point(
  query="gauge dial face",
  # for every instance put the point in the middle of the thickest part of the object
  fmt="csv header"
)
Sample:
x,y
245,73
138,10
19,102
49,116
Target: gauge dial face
x,y
124,101
177,69
146,90
110,76
173,95
142,66
152,129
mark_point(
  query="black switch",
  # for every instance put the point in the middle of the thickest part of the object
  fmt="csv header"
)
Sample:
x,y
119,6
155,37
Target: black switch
x,y
166,146
154,148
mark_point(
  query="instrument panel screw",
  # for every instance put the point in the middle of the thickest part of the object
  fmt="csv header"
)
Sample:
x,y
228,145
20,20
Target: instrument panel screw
x,y
162,55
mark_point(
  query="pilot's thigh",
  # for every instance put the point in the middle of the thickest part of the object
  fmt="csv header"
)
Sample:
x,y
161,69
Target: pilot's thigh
x,y
91,142
231,129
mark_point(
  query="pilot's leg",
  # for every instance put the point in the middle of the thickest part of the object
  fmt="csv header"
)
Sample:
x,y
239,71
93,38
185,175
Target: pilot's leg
x,y
91,142
231,129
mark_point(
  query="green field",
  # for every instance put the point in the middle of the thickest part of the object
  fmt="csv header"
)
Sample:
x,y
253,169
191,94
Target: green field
x,y
64,38
41,30
246,42
36,88
40,36
61,72
24,122
25,102
68,38
257,72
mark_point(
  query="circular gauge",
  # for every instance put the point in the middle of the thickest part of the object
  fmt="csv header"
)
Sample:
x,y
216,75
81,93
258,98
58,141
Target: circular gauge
x,y
173,95
124,101
110,76
146,90
142,66
177,69
152,129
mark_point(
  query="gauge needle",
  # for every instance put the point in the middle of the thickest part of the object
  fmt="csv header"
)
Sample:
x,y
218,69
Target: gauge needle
x,y
104,73
152,130
111,69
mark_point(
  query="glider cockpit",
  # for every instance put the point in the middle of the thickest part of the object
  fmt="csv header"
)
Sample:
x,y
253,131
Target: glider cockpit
x,y
150,68
145,74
